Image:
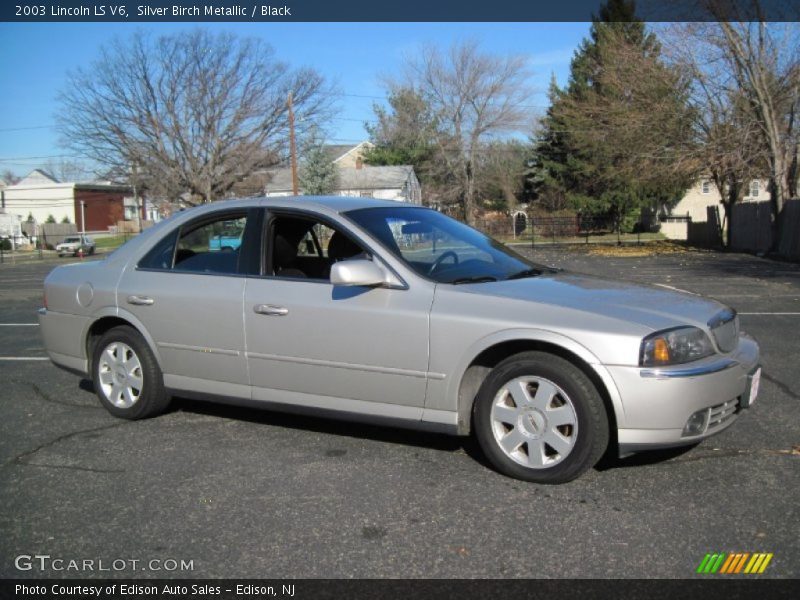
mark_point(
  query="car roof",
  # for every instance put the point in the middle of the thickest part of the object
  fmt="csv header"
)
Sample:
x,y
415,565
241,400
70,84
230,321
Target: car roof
x,y
337,204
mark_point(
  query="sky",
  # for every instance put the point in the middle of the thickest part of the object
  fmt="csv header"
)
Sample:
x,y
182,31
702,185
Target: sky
x,y
36,57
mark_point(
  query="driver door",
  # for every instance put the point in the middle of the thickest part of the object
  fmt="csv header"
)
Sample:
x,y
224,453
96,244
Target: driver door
x,y
358,349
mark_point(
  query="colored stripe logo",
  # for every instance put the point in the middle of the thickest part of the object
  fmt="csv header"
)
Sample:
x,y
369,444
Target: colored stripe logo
x,y
735,563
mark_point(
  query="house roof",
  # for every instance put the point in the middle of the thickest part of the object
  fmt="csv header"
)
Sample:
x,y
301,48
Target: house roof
x,y
375,178
37,177
336,152
350,178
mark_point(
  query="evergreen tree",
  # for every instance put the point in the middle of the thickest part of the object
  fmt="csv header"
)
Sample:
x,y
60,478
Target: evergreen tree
x,y
616,136
403,134
318,175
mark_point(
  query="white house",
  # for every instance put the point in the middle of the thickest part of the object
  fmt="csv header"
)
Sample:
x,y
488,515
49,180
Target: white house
x,y
397,183
347,155
40,195
698,198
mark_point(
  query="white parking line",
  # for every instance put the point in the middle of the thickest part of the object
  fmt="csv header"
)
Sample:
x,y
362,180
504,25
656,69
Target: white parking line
x,y
794,314
19,324
24,358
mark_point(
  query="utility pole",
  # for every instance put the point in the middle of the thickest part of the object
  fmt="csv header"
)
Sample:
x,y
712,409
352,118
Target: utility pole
x,y
83,219
293,148
135,173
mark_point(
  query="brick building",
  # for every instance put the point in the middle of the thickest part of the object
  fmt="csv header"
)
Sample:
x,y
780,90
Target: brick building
x,y
41,196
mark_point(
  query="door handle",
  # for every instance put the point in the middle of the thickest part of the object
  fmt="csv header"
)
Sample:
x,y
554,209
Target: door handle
x,y
271,310
140,300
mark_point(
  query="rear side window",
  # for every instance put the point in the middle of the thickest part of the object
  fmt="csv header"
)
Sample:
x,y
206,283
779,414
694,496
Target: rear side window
x,y
160,257
211,246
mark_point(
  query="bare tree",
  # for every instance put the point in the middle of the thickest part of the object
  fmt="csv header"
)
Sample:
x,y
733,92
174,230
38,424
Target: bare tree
x,y
502,167
748,79
10,177
769,81
473,97
730,148
193,113
66,169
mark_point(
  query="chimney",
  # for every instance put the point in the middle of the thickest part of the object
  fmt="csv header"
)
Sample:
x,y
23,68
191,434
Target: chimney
x,y
359,162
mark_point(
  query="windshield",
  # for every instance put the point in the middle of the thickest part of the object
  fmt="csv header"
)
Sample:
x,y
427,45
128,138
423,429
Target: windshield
x,y
69,240
441,248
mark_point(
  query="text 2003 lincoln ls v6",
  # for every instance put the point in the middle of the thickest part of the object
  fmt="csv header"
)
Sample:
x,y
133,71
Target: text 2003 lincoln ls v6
x,y
392,313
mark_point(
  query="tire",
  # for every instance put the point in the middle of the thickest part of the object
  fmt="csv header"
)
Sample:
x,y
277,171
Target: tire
x,y
539,418
133,389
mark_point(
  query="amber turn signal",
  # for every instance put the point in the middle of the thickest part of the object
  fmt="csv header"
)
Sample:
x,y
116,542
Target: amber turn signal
x,y
660,351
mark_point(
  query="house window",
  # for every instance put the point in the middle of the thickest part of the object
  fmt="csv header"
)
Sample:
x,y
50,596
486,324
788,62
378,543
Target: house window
x,y
754,187
706,186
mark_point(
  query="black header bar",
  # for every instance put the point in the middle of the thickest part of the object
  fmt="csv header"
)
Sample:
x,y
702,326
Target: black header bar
x,y
709,588
154,11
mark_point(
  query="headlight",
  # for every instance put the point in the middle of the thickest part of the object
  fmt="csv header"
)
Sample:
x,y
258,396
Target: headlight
x,y
674,347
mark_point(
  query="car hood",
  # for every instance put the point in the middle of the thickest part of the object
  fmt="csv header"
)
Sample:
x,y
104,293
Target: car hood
x,y
654,307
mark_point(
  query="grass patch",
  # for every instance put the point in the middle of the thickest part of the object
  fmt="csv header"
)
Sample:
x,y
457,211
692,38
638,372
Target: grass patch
x,y
645,249
111,242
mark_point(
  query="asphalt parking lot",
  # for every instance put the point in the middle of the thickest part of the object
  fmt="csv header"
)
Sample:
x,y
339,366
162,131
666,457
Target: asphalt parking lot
x,y
248,493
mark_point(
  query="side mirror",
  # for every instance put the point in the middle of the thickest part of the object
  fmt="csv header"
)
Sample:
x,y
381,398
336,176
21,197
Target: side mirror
x,y
357,272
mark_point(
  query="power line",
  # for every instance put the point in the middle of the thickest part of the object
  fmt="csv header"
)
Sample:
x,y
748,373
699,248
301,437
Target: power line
x,y
386,98
27,128
13,158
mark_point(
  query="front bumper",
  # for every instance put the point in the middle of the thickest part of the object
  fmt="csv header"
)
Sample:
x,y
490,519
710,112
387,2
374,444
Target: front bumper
x,y
657,403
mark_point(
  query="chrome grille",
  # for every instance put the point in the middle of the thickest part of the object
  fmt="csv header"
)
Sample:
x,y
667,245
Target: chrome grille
x,y
725,327
720,413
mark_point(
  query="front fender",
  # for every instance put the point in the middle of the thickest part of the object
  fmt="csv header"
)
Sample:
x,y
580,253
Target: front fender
x,y
464,405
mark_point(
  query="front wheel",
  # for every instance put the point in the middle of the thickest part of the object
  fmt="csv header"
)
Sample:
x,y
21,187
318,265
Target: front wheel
x,y
539,418
127,378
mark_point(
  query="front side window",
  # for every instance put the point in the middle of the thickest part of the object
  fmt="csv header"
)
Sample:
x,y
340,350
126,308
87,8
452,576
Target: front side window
x,y
440,248
210,246
305,248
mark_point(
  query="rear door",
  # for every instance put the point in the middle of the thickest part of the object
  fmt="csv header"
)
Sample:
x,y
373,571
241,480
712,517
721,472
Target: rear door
x,y
188,291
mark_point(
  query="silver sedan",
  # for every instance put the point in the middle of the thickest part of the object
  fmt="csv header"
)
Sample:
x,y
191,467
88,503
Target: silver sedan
x,y
396,314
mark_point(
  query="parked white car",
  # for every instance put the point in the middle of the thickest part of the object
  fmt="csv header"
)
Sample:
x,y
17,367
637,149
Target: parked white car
x,y
75,244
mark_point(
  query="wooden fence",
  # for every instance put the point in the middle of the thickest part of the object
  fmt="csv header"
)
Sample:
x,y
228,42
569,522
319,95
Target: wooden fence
x,y
752,231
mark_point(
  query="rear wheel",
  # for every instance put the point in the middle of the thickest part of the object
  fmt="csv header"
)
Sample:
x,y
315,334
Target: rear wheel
x,y
126,375
539,418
